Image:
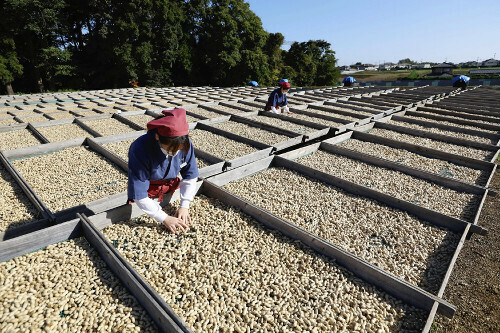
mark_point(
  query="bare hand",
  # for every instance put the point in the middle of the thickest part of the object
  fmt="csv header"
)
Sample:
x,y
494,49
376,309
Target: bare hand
x,y
174,224
183,214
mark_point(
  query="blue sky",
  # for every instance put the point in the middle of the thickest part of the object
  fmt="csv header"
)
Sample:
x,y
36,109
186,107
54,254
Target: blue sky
x,y
380,31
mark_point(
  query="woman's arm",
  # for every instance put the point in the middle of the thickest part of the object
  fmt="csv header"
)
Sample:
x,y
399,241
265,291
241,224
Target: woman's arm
x,y
152,208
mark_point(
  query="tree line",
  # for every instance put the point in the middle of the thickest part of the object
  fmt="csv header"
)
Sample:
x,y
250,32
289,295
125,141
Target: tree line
x,y
99,44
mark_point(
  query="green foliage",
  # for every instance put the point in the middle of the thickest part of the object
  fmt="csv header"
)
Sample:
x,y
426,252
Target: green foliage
x,y
313,62
407,61
96,44
9,64
413,75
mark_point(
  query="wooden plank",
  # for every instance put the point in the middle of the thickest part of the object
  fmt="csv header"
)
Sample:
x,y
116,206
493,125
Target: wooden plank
x,y
436,113
464,121
232,136
87,127
118,137
249,158
288,143
344,106
107,154
25,229
352,104
210,108
467,113
128,122
381,162
207,156
92,207
456,129
243,171
449,104
366,127
431,216
492,173
495,156
444,283
37,134
368,272
14,127
163,316
430,152
253,123
218,120
301,152
55,122
234,105
211,170
43,148
125,114
293,120
321,116
39,239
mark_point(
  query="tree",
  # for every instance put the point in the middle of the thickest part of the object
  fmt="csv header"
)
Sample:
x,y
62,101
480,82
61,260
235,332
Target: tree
x,y
9,65
407,61
98,44
275,59
229,44
36,29
314,63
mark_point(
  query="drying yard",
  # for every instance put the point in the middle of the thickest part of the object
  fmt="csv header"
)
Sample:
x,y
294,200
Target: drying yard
x,y
347,215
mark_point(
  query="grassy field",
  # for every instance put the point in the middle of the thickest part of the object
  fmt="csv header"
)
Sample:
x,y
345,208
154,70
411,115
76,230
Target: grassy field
x,y
400,74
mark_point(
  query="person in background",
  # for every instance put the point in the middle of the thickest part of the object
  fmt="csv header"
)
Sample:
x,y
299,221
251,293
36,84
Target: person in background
x,y
277,99
155,160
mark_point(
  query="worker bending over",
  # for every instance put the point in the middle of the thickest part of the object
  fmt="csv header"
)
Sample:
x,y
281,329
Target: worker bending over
x,y
277,99
155,160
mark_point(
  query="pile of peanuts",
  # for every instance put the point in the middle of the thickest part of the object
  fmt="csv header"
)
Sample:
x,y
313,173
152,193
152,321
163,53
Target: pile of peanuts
x,y
71,177
435,144
18,139
397,242
397,184
415,160
66,287
229,273
443,131
109,126
254,133
63,132
218,145
16,209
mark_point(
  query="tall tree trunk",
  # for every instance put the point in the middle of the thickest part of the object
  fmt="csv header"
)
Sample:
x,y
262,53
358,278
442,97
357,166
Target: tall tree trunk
x,y
39,83
10,91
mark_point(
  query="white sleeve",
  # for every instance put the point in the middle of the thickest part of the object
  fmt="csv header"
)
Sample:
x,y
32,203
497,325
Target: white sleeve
x,y
187,190
286,109
152,208
273,109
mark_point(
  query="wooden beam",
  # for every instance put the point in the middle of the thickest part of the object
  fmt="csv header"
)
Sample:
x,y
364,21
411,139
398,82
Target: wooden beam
x,y
39,239
161,313
26,188
436,136
381,162
120,162
25,229
430,152
43,148
87,128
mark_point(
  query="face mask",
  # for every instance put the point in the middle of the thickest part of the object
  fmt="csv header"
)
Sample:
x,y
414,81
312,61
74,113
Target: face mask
x,y
167,153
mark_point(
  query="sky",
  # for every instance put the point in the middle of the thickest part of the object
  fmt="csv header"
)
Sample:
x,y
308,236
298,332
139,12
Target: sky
x,y
379,31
